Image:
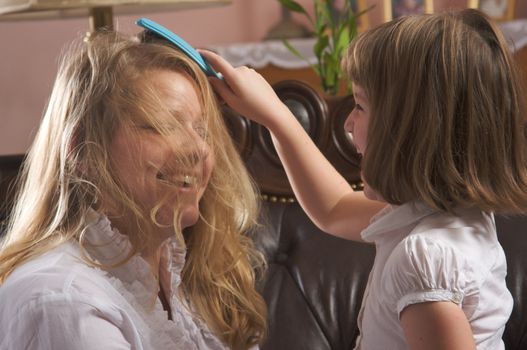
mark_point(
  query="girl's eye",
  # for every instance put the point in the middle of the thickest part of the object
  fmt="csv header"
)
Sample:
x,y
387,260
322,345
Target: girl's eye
x,y
358,107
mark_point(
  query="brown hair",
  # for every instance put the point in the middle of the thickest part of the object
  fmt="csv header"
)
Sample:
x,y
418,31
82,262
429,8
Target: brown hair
x,y
101,84
447,119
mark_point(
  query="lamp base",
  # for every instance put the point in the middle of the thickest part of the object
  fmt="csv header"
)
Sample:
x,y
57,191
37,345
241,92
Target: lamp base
x,y
101,18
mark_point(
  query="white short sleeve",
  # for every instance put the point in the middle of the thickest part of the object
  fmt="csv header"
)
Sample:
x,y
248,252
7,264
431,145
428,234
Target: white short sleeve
x,y
421,269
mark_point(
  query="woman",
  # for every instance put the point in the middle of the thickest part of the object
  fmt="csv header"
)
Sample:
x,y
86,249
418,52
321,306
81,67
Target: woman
x,y
127,231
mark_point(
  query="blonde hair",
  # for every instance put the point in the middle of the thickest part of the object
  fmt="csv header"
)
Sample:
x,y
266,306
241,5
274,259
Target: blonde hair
x,y
99,86
447,119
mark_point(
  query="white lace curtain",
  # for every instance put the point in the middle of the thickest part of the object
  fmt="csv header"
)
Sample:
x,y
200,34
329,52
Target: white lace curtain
x,y
261,54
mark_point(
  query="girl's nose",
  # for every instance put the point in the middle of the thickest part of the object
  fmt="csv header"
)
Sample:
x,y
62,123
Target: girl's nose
x,y
348,123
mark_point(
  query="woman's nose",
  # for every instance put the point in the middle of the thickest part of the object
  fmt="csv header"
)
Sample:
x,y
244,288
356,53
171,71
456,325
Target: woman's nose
x,y
190,148
198,149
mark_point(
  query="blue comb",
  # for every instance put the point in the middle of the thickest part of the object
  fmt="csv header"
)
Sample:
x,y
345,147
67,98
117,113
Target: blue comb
x,y
179,43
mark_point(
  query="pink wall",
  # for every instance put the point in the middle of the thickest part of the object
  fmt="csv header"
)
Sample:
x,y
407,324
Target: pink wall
x,y
29,52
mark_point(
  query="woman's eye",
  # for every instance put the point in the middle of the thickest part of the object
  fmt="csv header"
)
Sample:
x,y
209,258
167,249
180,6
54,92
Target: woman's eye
x,y
162,129
170,129
145,127
201,131
358,107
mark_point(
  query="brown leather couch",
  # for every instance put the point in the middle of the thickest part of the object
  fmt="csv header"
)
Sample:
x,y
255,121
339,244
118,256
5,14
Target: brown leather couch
x,y
315,282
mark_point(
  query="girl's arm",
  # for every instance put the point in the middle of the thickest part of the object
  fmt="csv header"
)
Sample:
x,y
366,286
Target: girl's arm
x,y
322,192
436,326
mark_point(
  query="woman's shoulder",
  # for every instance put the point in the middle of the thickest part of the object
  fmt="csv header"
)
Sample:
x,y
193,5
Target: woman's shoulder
x,y
59,274
47,298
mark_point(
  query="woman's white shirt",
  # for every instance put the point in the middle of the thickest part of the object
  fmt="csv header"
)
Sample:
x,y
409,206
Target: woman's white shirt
x,y
426,255
57,301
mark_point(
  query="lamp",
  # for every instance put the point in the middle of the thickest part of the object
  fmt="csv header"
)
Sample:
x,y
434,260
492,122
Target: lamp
x,y
287,28
99,11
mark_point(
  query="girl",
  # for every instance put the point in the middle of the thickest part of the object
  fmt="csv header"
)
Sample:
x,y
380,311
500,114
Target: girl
x,y
439,122
128,228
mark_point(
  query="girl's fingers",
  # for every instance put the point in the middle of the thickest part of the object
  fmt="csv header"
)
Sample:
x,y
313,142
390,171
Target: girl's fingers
x,y
221,88
242,88
218,63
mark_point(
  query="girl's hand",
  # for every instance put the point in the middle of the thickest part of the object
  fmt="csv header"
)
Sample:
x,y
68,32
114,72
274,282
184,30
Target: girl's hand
x,y
324,194
246,91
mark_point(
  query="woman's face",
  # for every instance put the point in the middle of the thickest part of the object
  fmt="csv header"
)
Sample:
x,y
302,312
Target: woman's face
x,y
357,124
155,171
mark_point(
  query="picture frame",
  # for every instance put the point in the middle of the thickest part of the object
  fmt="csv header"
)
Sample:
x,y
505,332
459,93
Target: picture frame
x,y
400,8
498,10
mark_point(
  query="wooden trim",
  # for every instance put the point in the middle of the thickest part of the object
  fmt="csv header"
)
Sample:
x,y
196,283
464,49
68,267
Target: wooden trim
x,y
9,161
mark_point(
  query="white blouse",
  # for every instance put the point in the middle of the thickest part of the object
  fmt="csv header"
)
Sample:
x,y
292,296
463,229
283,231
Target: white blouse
x,y
58,302
427,255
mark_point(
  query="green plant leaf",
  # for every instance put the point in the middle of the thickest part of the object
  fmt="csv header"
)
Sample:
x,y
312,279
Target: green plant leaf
x,y
292,49
352,27
323,13
364,11
320,28
295,52
293,6
320,24
296,7
333,36
320,45
343,40
331,72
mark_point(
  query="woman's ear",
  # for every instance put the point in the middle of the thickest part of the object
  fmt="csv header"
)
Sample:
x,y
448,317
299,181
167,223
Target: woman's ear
x,y
73,155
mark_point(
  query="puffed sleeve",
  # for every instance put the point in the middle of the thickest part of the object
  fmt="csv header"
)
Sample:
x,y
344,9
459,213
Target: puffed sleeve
x,y
56,323
422,270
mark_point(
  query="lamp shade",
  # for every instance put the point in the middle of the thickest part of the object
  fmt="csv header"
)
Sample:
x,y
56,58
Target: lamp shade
x,y
43,9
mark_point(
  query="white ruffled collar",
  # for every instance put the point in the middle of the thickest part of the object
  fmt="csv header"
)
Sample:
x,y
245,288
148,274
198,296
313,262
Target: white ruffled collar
x,y
137,284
